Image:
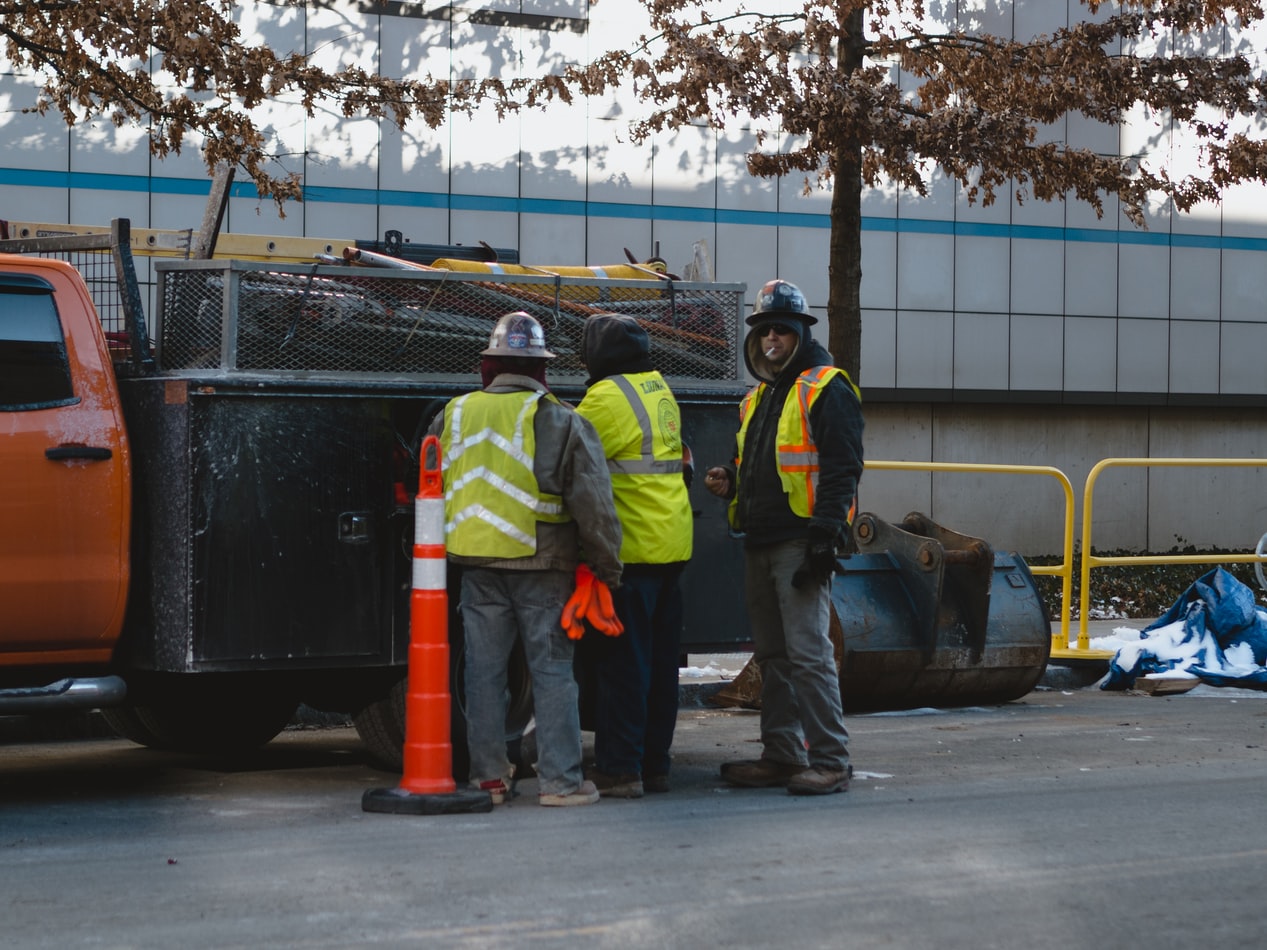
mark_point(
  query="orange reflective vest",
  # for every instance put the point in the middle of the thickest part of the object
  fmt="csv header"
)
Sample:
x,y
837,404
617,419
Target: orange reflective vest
x,y
796,451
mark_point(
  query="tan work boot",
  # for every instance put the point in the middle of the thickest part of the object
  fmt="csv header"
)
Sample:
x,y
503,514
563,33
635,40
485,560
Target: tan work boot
x,y
587,794
819,780
760,773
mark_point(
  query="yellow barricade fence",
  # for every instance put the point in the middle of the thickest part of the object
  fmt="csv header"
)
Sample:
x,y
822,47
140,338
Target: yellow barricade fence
x,y
1089,558
1063,570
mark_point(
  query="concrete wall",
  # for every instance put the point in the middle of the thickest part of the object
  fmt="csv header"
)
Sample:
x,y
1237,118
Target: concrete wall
x,y
1142,509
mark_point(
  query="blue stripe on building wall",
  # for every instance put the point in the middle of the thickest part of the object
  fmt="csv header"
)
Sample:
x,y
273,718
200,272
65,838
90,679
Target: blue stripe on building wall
x,y
33,178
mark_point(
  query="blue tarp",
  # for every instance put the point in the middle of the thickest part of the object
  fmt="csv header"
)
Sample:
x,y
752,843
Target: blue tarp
x,y
1214,631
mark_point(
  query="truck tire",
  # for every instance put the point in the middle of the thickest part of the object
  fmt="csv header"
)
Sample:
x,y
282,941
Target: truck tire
x,y
203,718
381,724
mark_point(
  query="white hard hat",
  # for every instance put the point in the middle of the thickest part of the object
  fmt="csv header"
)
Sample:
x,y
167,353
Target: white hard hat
x,y
518,334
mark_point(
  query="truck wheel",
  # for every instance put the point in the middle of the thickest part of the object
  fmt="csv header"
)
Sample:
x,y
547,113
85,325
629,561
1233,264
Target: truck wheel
x,y
381,724
204,721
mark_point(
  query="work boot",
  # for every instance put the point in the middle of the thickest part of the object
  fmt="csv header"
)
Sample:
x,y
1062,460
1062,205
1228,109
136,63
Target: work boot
x,y
624,785
496,788
587,794
655,783
760,773
820,780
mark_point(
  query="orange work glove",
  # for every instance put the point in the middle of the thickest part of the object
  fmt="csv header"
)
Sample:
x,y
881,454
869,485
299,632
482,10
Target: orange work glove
x,y
602,612
578,604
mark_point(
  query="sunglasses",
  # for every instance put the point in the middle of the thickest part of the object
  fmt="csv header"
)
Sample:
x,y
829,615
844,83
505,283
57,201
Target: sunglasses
x,y
782,329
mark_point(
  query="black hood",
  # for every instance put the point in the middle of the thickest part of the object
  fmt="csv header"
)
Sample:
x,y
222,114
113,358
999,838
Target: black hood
x,y
615,344
807,352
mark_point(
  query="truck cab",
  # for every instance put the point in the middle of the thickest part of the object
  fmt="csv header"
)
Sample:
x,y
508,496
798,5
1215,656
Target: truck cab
x,y
65,499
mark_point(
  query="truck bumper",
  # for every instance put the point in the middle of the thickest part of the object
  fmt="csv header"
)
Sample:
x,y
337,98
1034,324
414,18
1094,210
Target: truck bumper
x,y
64,695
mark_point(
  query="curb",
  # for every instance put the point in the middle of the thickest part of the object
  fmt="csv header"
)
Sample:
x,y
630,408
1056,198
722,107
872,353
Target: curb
x,y
697,695
1079,674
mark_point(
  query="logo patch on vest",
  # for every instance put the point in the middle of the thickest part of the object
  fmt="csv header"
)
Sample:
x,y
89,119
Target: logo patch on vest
x,y
668,422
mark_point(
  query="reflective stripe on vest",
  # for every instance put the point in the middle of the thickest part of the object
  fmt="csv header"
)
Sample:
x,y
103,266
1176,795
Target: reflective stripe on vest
x,y
796,453
492,500
646,463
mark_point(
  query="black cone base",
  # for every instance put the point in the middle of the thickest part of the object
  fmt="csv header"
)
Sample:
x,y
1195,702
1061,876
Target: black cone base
x,y
397,801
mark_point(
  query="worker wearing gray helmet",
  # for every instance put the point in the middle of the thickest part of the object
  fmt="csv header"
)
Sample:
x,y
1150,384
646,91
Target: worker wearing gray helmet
x,y
526,489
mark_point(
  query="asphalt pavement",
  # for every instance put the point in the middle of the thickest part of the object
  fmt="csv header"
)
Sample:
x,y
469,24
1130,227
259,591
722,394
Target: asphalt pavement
x,y
1066,819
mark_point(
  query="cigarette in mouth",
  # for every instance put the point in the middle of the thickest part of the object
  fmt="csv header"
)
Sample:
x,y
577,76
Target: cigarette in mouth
x,y
769,354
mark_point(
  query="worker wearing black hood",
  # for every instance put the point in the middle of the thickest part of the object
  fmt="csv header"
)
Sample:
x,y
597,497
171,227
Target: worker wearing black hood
x,y
792,489
640,425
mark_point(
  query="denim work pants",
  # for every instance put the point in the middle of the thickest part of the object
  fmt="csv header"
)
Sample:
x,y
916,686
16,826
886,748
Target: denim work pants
x,y
498,607
636,673
800,688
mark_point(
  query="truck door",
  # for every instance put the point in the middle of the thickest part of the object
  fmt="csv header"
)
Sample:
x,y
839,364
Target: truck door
x,y
64,476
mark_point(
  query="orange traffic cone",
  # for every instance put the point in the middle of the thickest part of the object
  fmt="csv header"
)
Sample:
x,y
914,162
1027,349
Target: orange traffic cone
x,y
427,786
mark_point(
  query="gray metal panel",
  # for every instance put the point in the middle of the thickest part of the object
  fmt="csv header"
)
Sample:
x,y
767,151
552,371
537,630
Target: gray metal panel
x,y
1091,354
981,350
1143,281
1194,283
1143,356
1037,354
1194,356
925,349
1243,364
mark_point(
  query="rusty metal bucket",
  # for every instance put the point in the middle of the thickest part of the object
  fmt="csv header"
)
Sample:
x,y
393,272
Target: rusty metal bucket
x,y
931,617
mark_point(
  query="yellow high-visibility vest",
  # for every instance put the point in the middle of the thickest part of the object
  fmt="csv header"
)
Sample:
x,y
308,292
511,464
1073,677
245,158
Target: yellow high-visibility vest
x,y
640,425
492,501
796,452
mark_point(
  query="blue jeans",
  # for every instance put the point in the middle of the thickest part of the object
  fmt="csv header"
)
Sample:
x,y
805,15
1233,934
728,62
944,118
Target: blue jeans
x,y
636,673
498,607
800,688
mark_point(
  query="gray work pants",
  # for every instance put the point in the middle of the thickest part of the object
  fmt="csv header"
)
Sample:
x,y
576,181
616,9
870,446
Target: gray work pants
x,y
499,607
800,688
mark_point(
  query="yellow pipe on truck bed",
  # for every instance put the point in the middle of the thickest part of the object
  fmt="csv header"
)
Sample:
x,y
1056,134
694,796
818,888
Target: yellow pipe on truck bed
x,y
641,272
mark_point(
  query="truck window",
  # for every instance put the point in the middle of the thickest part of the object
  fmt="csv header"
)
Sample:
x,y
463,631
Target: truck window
x,y
34,370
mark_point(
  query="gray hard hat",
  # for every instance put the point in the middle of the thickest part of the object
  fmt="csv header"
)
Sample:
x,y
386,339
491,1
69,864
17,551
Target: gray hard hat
x,y
518,334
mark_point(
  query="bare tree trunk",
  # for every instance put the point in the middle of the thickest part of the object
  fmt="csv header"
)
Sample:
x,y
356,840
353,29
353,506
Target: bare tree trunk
x,y
844,262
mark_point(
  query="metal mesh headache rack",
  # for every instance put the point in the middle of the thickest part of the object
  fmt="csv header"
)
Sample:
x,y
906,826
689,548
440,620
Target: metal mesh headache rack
x,y
104,260
327,318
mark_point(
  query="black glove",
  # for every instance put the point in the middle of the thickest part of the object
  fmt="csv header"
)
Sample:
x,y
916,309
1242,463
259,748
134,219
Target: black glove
x,y
688,465
820,562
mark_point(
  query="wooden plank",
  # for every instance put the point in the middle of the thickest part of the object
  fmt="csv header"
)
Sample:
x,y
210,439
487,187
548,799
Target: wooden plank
x,y
1166,685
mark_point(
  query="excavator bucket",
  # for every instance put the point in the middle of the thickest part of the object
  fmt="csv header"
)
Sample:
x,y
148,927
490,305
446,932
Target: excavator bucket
x,y
925,616
931,617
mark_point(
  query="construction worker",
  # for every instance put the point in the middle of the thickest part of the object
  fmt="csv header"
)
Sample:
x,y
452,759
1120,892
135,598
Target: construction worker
x,y
526,488
792,488
636,674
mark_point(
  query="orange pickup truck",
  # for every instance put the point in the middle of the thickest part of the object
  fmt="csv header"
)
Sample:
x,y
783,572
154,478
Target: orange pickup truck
x,y
66,506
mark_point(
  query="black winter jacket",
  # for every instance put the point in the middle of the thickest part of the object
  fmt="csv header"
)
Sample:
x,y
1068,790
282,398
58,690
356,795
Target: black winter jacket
x,y
762,510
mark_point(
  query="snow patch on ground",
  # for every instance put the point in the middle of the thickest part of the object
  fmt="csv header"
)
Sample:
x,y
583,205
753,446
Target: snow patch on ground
x,y
711,671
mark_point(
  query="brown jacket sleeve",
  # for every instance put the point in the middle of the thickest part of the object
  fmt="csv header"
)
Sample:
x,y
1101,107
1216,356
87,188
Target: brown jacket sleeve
x,y
575,467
